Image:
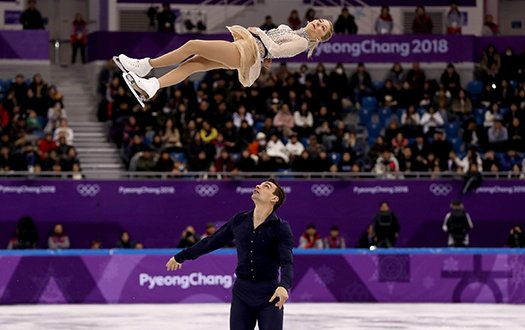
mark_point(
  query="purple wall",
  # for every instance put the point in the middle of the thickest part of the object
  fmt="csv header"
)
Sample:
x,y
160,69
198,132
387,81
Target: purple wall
x,y
24,44
341,48
359,277
156,212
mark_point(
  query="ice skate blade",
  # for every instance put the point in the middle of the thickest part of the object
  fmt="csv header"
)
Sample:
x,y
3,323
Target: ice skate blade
x,y
132,85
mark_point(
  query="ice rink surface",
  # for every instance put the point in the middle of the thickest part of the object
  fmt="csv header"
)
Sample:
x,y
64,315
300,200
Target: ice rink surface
x,y
297,317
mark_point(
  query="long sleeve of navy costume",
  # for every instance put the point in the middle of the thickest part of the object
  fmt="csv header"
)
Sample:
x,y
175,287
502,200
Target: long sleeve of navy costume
x,y
260,251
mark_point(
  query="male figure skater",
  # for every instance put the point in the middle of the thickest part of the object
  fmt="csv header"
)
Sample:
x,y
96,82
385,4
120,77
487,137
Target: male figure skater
x,y
264,244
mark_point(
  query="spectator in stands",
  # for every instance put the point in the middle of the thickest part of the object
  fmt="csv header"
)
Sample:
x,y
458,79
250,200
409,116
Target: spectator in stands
x,y
489,27
416,77
64,130
386,165
211,228
411,122
441,148
284,120
384,23
461,106
188,238
360,83
6,161
472,157
164,163
54,116
31,19
69,159
294,22
309,16
79,38
268,24
58,239
516,132
20,88
240,115
386,226
397,75
498,134
345,23
45,145
516,238
509,63
208,133
27,159
125,241
247,162
310,239
450,80
454,19
457,224
388,95
294,147
170,136
224,163
277,150
335,240
39,88
490,56
76,172
145,160
346,163
25,236
422,23
303,121
166,19
509,159
431,120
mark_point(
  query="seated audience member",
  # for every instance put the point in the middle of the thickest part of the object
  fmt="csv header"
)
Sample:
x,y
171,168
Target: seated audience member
x,y
125,241
188,238
516,238
211,228
367,239
26,235
58,239
310,239
334,240
95,245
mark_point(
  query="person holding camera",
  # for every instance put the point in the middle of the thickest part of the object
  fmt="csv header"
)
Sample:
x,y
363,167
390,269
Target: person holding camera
x,y
188,238
516,238
387,166
457,224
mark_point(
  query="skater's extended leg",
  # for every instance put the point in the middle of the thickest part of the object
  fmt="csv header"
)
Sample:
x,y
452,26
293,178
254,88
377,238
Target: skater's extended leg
x,y
193,65
221,51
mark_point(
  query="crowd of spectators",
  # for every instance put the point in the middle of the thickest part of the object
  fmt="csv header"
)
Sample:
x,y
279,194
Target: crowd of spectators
x,y
302,121
34,132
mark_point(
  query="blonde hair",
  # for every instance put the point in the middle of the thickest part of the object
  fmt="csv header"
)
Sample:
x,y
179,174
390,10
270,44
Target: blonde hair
x,y
312,44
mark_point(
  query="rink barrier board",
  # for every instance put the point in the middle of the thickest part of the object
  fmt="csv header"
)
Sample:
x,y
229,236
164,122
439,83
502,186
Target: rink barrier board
x,y
139,276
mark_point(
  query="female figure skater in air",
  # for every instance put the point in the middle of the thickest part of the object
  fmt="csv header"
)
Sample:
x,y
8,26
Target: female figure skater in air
x,y
250,49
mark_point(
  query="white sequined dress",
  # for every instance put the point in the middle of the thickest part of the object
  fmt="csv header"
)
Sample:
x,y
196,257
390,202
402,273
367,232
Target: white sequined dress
x,y
282,42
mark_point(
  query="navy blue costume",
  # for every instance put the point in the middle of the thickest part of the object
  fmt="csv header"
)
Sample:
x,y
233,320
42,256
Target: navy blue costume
x,y
260,254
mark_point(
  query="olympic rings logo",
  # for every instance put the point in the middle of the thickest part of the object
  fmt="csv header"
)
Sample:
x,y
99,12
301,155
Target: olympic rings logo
x,y
88,190
206,190
439,189
322,190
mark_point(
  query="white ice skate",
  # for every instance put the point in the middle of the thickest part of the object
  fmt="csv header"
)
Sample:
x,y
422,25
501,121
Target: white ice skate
x,y
142,89
140,67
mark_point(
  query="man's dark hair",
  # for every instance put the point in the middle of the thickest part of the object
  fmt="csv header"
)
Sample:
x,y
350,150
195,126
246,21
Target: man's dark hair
x,y
310,226
334,228
279,192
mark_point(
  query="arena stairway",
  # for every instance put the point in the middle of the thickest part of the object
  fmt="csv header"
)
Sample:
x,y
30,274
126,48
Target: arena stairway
x,y
95,152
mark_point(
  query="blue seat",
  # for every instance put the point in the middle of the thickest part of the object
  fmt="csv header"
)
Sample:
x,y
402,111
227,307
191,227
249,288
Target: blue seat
x,y
514,84
258,125
504,111
457,144
235,156
365,116
475,87
178,156
369,102
378,84
373,129
479,115
452,129
384,115
335,157
305,141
